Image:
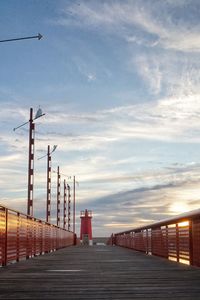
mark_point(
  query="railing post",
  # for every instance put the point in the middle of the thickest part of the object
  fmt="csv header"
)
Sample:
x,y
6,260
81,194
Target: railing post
x,y
191,242
34,224
152,245
41,236
111,239
4,263
27,238
75,238
18,235
177,242
147,242
167,244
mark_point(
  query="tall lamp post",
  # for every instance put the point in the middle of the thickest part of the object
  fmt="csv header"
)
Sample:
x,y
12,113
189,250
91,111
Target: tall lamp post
x,y
48,210
69,206
74,205
66,196
74,202
31,157
58,196
64,204
48,202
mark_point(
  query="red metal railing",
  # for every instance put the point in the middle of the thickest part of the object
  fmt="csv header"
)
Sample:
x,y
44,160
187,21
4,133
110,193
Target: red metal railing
x,y
176,239
23,236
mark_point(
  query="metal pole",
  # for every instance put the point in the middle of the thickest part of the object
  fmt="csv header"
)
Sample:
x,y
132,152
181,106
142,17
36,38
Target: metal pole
x,y
30,164
69,207
74,205
58,197
48,210
64,205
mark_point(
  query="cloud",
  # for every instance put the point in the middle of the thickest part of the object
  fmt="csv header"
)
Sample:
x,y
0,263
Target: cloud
x,y
168,119
158,46
91,77
145,205
91,154
149,69
169,29
170,74
85,69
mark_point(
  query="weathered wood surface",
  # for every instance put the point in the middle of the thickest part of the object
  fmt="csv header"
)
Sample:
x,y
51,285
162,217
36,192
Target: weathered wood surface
x,y
99,272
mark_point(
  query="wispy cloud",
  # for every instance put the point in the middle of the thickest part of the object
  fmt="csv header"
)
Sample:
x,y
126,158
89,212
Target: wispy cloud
x,y
145,205
168,119
165,40
168,29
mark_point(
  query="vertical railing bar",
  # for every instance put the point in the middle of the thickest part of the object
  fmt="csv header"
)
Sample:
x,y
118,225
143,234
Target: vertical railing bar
x,y
6,238
18,236
34,237
147,242
177,242
27,237
41,237
167,242
152,241
191,260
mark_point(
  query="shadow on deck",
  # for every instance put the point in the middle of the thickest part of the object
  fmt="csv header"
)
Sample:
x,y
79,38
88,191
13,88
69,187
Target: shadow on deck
x,y
99,272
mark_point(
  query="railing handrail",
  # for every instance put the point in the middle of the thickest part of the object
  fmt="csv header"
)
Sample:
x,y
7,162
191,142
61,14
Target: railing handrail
x,y
31,217
23,236
174,238
180,218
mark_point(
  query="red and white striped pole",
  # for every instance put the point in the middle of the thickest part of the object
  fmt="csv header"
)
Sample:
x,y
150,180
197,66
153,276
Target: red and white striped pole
x,y
64,205
69,206
58,197
48,209
30,164
74,204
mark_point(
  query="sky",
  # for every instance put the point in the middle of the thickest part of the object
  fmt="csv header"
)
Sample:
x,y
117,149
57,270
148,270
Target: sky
x,y
119,83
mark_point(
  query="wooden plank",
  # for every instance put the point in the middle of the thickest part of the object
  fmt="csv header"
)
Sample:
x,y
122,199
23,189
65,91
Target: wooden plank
x,y
99,272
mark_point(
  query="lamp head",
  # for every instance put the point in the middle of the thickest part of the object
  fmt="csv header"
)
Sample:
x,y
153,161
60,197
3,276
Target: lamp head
x,y
38,113
54,148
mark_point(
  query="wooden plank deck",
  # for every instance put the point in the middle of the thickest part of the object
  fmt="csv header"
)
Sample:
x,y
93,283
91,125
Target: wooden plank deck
x,y
99,272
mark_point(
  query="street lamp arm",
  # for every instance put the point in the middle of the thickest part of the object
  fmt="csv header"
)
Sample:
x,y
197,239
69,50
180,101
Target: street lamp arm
x,y
20,125
54,148
68,177
42,157
37,117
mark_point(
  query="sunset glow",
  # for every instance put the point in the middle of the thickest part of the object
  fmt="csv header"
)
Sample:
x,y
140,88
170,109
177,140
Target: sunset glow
x,y
179,207
119,84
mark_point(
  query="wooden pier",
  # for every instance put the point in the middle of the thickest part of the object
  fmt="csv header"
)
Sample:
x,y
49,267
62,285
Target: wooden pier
x,y
99,272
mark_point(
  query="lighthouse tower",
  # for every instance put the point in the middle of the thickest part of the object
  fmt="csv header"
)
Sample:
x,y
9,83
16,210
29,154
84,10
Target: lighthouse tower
x,y
86,228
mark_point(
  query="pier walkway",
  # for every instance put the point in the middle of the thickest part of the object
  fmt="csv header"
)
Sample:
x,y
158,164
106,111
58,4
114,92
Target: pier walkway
x,y
99,272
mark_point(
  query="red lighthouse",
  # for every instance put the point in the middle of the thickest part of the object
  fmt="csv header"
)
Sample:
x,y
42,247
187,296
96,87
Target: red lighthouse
x,y
86,227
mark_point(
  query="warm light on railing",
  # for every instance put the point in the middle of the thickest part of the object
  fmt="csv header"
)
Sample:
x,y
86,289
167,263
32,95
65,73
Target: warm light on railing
x,y
23,236
176,238
183,224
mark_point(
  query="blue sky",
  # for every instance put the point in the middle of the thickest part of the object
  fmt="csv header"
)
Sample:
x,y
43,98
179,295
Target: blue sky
x,y
119,82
